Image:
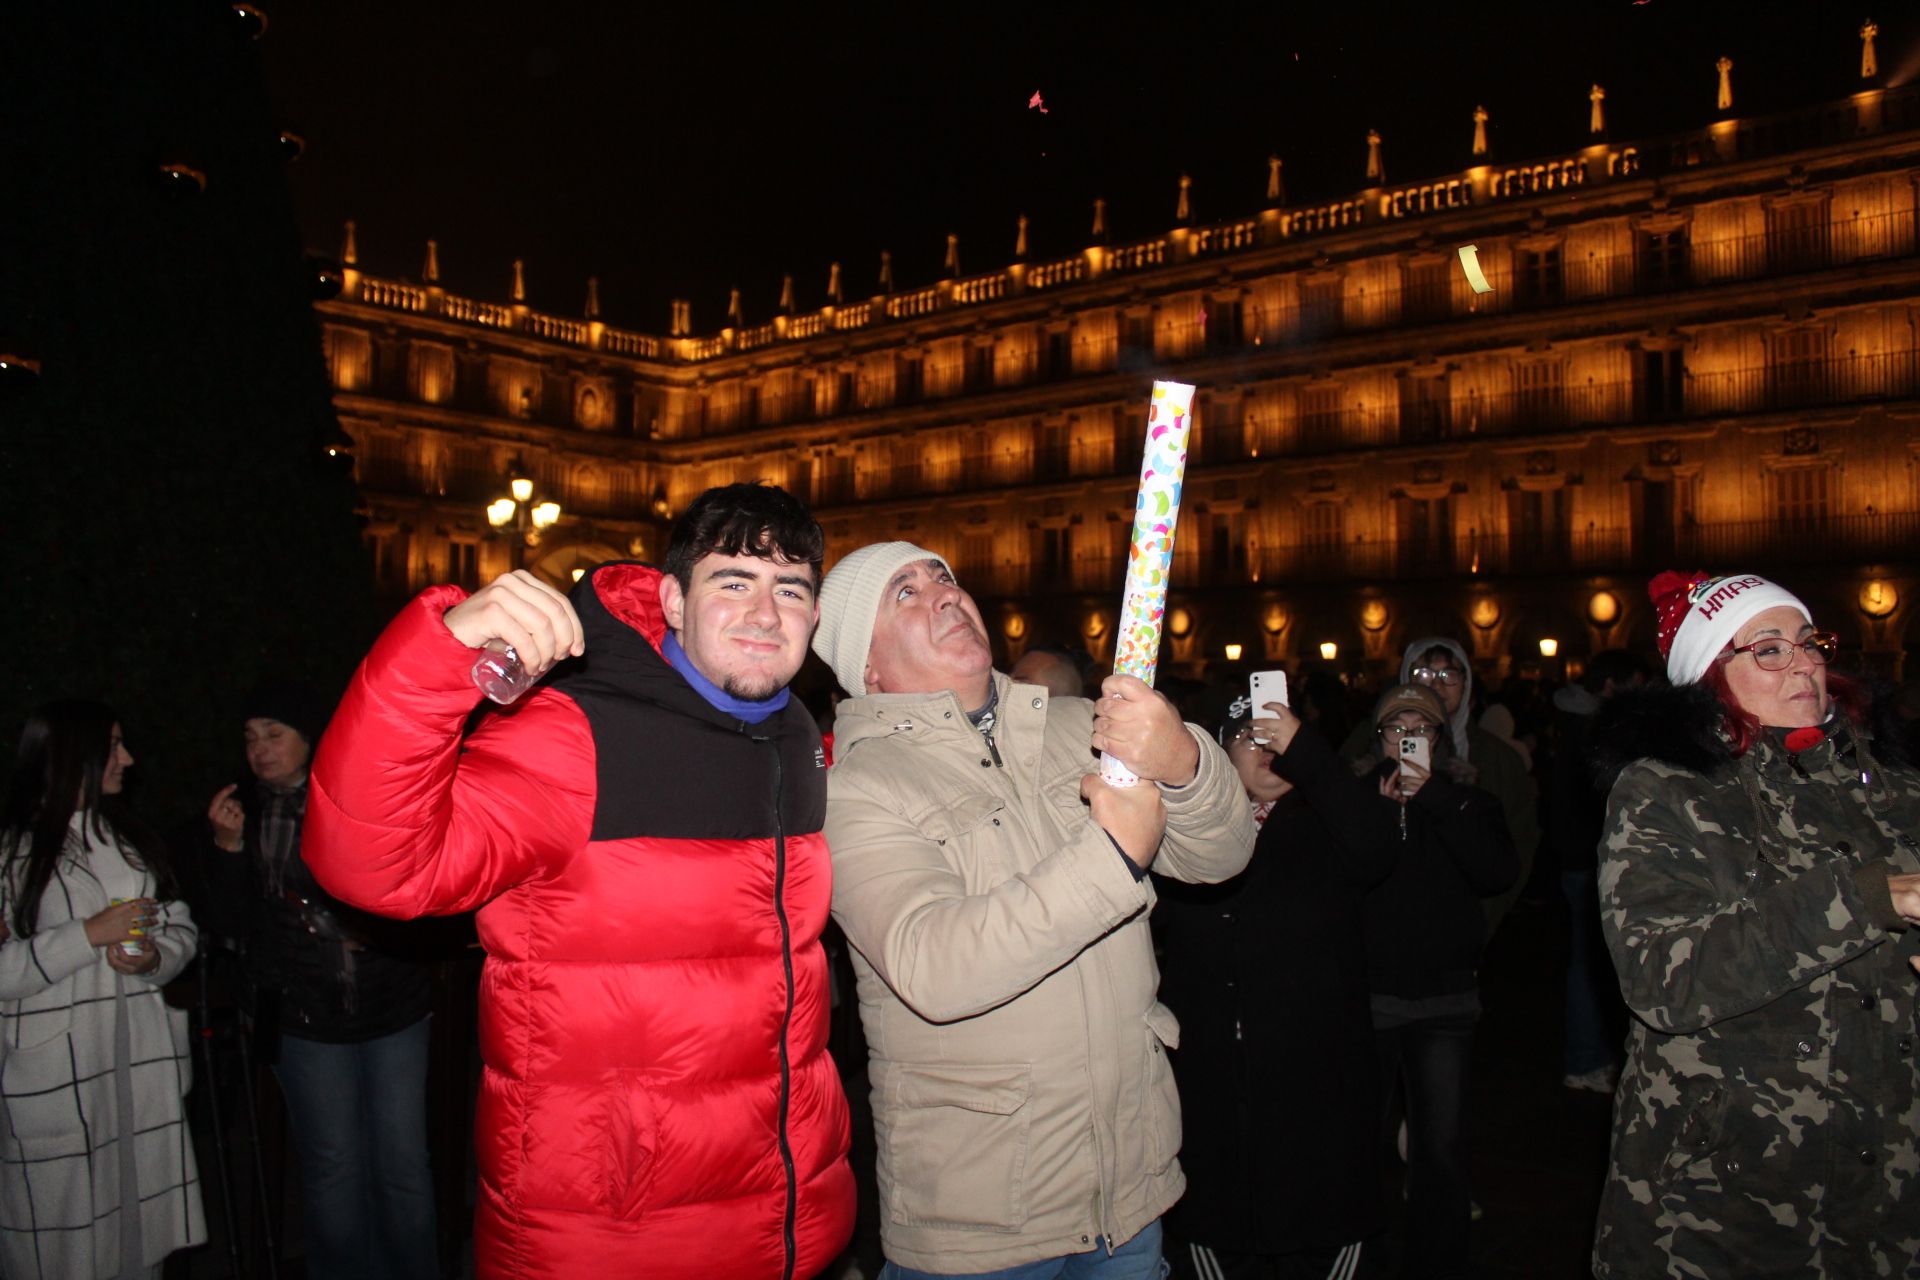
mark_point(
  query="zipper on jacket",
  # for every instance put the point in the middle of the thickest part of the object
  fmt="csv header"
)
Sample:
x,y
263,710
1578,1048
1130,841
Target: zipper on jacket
x,y
992,750
786,1016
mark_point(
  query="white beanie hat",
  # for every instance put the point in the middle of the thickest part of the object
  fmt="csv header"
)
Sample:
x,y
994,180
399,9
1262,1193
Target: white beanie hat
x,y
850,601
1698,616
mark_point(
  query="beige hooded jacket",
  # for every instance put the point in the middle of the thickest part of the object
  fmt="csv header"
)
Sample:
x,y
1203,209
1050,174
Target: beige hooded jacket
x,y
1023,1103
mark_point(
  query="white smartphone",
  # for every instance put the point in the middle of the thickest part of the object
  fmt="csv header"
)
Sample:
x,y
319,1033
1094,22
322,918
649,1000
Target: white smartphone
x,y
1413,750
1264,687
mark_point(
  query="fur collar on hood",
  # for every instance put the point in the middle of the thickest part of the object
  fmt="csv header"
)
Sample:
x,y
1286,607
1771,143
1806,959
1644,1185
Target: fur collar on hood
x,y
1681,727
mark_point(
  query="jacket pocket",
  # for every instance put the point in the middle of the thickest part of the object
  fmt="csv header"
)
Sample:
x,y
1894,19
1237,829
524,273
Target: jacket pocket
x,y
1698,1132
953,1144
40,1020
1160,1094
36,1091
632,1139
181,1039
588,1147
972,832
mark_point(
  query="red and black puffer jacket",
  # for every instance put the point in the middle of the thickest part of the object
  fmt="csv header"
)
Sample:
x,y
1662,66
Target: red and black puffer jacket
x,y
651,883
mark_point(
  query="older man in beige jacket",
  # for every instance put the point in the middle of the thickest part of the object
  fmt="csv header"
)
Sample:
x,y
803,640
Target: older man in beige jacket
x,y
995,893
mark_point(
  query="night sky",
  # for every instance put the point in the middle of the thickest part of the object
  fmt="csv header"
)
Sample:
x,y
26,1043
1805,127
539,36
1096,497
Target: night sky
x,y
675,151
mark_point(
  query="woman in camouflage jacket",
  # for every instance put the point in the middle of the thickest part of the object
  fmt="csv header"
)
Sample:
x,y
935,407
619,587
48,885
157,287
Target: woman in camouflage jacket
x,y
1757,881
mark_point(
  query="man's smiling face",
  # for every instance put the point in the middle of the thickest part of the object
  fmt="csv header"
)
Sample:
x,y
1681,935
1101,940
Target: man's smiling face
x,y
744,620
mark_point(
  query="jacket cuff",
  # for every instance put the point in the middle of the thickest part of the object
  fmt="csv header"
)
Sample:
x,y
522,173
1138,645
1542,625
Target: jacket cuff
x,y
1206,776
1870,882
417,653
1305,757
1108,881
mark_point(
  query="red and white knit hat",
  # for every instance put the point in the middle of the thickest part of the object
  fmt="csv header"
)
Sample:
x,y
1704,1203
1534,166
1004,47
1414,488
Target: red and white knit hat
x,y
1699,615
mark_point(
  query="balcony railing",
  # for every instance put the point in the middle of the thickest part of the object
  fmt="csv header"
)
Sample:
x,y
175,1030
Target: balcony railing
x,y
1819,541
1824,540
1767,255
1864,115
1465,414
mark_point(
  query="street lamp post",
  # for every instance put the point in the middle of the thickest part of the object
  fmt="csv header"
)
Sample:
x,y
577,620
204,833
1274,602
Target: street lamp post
x,y
521,518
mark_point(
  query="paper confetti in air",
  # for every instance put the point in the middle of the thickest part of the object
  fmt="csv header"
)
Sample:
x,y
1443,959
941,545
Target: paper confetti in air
x,y
1143,602
1470,263
1037,103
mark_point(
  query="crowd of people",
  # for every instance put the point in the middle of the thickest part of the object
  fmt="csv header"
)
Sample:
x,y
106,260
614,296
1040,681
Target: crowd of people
x,y
1188,1024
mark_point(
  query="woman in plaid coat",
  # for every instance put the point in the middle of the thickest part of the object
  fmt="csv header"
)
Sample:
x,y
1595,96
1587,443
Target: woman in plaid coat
x,y
93,1063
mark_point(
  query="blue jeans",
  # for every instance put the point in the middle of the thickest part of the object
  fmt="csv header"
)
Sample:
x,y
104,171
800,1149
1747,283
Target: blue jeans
x,y
1432,1056
1137,1259
1593,1037
359,1114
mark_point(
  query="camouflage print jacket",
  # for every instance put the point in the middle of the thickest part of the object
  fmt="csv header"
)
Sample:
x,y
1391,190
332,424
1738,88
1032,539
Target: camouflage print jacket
x,y
1768,1121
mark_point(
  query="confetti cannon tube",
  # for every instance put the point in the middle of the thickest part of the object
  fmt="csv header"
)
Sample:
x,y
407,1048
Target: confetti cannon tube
x,y
1143,604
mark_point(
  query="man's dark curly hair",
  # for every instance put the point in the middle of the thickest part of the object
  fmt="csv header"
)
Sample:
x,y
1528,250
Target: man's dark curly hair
x,y
745,519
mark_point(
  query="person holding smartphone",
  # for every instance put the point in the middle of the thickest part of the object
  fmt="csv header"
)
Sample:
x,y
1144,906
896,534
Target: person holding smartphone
x,y
1425,926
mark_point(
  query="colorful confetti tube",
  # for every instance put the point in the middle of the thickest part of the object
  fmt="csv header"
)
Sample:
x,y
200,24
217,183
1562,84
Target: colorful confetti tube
x,y
1143,605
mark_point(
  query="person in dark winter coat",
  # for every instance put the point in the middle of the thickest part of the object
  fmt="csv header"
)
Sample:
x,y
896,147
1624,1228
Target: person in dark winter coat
x,y
341,1006
1425,927
1595,1020
1474,756
1759,884
1267,973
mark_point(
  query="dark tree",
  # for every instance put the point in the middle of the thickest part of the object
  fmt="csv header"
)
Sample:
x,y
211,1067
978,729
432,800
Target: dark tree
x,y
174,529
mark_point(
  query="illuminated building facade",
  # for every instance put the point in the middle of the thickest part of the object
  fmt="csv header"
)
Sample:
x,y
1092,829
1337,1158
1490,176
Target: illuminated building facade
x,y
1698,351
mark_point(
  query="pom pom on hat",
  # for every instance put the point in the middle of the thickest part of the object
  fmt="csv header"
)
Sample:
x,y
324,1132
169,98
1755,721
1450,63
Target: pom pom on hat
x,y
1671,596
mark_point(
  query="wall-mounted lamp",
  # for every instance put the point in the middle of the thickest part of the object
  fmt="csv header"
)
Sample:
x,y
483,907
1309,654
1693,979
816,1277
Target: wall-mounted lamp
x,y
1233,653
1329,650
1878,598
1549,647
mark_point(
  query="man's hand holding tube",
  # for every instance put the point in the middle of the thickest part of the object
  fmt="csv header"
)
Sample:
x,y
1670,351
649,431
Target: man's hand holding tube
x,y
1132,817
1144,731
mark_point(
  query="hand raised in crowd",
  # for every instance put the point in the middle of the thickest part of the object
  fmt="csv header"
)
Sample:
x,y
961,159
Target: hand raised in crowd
x,y
1404,783
1275,730
117,922
145,961
227,818
1141,728
1133,816
518,609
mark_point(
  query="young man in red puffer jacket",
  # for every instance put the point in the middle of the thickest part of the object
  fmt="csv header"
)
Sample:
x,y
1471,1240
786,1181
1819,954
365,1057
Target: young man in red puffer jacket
x,y
641,839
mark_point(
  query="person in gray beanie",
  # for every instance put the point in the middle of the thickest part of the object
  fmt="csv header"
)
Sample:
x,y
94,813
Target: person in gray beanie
x,y
994,891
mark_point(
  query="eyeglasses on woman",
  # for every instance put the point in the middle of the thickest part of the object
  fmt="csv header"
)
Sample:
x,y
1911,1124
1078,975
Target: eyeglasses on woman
x,y
1776,654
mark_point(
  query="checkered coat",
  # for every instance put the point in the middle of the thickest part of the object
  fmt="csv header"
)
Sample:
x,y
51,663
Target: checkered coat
x,y
61,1138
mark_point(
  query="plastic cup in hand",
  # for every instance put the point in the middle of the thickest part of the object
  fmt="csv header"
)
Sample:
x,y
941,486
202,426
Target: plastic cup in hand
x,y
130,948
501,675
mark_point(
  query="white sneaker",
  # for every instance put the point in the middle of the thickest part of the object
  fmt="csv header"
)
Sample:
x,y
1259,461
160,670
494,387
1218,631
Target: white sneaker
x,y
1599,1080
